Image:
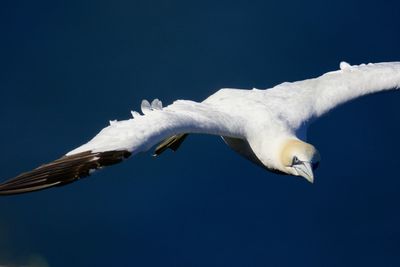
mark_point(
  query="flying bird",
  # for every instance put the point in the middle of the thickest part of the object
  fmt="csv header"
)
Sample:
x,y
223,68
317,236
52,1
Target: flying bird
x,y
267,127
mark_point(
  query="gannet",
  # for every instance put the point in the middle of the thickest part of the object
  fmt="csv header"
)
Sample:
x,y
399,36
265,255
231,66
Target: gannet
x,y
268,127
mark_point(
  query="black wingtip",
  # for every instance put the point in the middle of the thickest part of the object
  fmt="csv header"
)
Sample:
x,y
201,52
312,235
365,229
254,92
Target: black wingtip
x,y
61,172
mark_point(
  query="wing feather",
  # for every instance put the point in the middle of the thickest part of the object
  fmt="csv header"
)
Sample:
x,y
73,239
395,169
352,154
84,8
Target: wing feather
x,y
308,99
141,133
122,139
62,171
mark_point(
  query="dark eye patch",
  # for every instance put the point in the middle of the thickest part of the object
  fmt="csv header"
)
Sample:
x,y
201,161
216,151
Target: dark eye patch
x,y
295,160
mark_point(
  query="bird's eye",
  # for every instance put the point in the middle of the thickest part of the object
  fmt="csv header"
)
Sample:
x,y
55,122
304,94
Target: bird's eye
x,y
295,160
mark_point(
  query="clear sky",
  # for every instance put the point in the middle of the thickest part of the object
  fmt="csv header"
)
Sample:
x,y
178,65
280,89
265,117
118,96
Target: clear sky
x,y
67,67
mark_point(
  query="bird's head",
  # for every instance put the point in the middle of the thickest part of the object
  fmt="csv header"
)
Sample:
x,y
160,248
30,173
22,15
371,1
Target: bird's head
x,y
300,159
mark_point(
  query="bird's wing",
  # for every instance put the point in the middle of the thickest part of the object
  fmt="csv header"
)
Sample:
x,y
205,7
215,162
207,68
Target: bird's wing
x,y
122,139
305,100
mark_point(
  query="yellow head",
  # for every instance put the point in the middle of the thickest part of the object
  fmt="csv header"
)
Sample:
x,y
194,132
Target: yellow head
x,y
300,159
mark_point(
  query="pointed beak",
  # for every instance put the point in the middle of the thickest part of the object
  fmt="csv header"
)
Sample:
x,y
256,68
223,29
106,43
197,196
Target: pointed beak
x,y
304,169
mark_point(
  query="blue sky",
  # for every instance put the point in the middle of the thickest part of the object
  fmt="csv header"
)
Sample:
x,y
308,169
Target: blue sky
x,y
66,68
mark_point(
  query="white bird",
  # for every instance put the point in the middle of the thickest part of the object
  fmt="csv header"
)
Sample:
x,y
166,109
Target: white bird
x,y
267,127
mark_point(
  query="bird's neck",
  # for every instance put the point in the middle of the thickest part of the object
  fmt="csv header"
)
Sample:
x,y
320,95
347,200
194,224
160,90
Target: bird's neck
x,y
269,150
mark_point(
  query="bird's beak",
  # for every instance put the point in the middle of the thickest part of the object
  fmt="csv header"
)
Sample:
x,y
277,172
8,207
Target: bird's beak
x,y
304,169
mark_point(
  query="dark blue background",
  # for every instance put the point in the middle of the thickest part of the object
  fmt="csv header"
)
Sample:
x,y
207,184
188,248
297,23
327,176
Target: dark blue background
x,y
66,68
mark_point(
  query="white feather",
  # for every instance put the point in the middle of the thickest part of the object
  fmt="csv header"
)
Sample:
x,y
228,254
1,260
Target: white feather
x,y
156,104
264,118
135,114
344,65
140,134
145,107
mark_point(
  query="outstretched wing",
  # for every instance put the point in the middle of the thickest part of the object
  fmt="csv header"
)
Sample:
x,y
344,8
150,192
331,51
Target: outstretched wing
x,y
308,99
122,139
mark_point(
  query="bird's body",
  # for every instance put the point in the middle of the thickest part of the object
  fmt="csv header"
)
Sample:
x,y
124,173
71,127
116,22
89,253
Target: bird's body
x,y
260,117
267,127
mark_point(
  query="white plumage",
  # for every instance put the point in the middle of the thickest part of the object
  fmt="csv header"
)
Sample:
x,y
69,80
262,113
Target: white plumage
x,y
265,126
